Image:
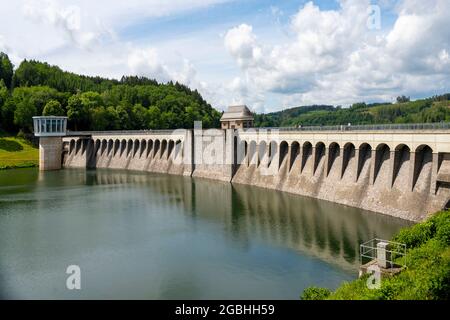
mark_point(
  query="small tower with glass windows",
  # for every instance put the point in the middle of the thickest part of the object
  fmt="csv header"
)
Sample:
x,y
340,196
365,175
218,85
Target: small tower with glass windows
x,y
50,130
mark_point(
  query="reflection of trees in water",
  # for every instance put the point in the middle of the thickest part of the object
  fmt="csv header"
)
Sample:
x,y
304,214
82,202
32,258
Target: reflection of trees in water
x,y
328,231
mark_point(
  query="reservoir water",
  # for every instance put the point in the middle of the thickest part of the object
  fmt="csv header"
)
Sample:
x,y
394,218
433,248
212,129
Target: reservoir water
x,y
138,235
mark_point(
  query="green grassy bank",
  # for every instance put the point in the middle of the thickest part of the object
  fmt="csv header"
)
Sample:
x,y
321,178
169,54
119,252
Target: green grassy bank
x,y
17,152
427,276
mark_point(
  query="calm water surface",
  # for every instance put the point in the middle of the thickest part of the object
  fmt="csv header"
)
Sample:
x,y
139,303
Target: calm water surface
x,y
149,236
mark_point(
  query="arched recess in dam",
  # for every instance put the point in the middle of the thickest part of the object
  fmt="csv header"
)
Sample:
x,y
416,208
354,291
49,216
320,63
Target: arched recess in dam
x,y
104,146
295,153
129,145
262,154
307,155
157,147
84,146
123,147
135,147
110,147
170,149
116,147
71,146
349,165
401,166
149,148
97,145
244,153
364,159
422,170
318,155
284,149
78,146
143,147
334,152
381,170
178,152
163,148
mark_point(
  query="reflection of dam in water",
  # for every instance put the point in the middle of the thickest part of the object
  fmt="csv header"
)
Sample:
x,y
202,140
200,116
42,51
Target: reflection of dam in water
x,y
325,230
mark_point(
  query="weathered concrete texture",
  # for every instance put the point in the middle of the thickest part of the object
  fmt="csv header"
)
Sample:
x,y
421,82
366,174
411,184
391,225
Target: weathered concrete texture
x,y
213,154
50,153
145,152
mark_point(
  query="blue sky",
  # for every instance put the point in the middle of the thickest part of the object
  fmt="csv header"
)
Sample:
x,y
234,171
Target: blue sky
x,y
267,54
223,15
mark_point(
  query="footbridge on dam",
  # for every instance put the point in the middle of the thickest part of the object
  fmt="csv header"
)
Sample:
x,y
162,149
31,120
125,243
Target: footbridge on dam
x,y
399,170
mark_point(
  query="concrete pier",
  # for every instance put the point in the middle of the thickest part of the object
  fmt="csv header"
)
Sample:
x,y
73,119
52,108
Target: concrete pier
x,y
50,153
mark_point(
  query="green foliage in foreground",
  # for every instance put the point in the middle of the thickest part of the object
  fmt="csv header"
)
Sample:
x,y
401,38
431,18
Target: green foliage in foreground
x,y
315,293
427,276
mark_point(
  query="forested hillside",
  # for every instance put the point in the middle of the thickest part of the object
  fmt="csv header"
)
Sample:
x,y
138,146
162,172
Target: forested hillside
x,y
434,109
95,103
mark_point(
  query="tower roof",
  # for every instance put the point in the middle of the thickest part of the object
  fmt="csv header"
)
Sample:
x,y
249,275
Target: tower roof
x,y
240,112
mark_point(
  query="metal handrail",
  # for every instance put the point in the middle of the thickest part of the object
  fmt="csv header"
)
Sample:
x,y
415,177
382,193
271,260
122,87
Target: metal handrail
x,y
121,132
368,250
365,127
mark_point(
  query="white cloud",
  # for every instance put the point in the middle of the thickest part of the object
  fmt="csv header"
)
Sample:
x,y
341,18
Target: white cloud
x,y
187,74
145,62
68,20
3,46
40,28
334,58
241,43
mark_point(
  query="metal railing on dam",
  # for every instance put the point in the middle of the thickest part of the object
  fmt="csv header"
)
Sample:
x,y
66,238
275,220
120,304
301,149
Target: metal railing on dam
x,y
119,132
365,127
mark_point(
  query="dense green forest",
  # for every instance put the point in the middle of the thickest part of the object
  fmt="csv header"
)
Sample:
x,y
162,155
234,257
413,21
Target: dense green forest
x,y
94,103
434,109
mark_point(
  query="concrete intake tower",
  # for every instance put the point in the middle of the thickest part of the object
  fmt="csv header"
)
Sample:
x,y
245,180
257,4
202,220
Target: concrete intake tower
x,y
50,131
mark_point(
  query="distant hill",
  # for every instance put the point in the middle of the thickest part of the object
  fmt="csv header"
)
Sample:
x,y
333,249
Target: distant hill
x,y
434,109
285,116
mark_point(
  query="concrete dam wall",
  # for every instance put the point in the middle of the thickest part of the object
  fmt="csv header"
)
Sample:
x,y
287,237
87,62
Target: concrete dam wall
x,y
164,152
399,173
